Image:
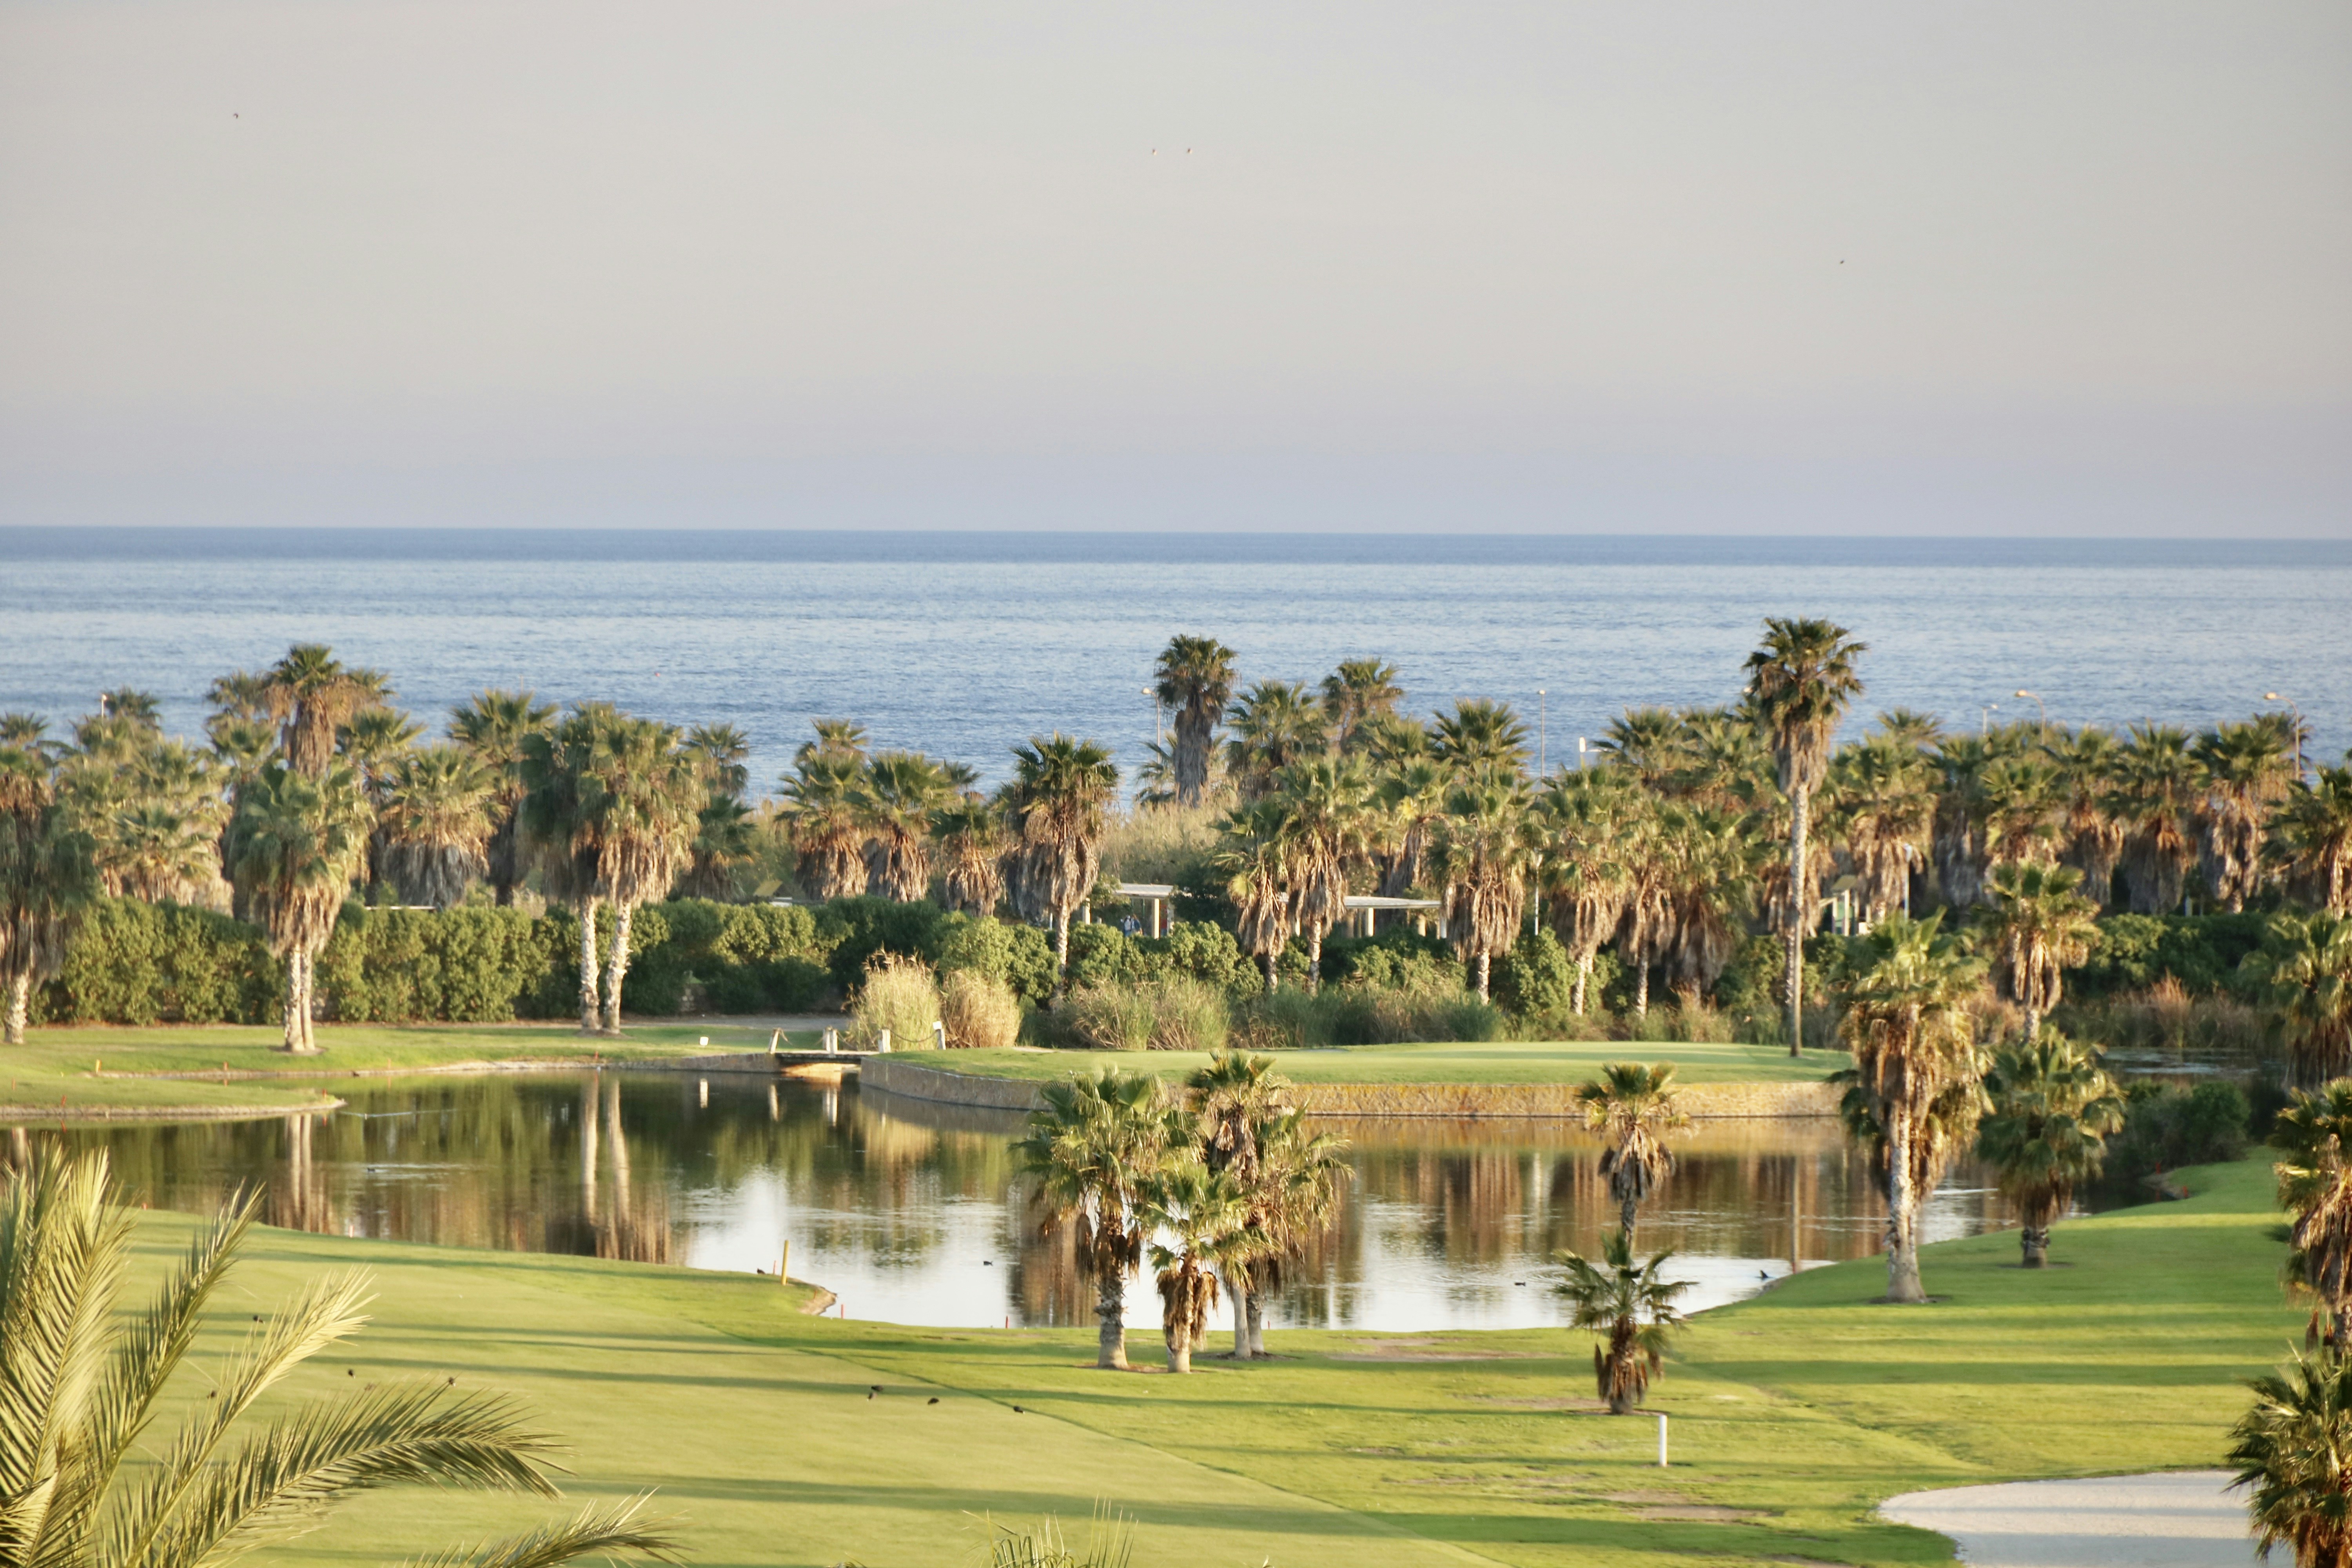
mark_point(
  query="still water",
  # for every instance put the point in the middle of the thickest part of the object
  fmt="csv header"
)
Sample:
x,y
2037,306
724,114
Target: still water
x,y
912,1212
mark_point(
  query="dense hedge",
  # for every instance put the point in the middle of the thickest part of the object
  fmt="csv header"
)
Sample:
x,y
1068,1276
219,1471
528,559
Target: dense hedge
x,y
131,963
2201,952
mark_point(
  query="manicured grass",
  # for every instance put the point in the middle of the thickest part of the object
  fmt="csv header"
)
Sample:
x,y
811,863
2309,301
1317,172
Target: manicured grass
x,y
1792,1415
86,1068
1500,1062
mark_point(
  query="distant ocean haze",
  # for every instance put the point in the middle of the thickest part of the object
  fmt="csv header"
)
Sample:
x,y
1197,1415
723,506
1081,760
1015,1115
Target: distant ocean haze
x,y
962,643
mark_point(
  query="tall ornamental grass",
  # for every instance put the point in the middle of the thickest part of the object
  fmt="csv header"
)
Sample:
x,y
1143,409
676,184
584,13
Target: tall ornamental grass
x,y
900,994
980,1013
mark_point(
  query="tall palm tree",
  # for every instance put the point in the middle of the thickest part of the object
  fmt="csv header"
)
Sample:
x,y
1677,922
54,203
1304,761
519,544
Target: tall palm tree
x,y
895,802
1645,847
1093,1148
2315,837
2021,804
1275,723
1486,850
1957,837
1908,726
1632,1107
1409,798
47,877
1204,1217
643,796
970,832
2050,1110
2093,838
561,835
301,840
1253,858
2312,1134
1195,676
1586,882
2293,1449
1883,806
1646,742
1633,1307
837,738
2305,966
820,812
436,825
726,832
2248,769
87,1379
1326,805
1288,1177
1800,684
2156,791
311,695
1709,860
1479,739
1059,789
1357,690
2042,926
1906,1022
492,727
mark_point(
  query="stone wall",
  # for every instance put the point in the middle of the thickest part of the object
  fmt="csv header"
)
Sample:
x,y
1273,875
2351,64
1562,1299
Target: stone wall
x,y
1449,1101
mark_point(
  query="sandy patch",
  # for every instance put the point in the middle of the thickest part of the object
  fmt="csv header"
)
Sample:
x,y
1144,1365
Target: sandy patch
x,y
2181,1520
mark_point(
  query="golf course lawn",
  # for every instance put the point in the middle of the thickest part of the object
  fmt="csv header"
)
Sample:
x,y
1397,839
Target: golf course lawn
x,y
85,1068
1495,1062
1792,1415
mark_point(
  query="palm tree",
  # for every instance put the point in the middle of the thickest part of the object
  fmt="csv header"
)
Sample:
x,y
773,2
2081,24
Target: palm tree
x,y
1409,799
1275,723
726,831
2021,802
2305,966
2042,926
1254,859
839,738
1195,676
2315,1185
1800,684
1205,1215
1646,742
2248,769
562,833
301,842
1479,739
1633,1307
1632,1107
1906,1022
1586,882
1059,789
644,799
1908,726
1485,852
88,1378
492,727
821,813
1288,1178
970,832
2293,1451
2156,791
47,877
2315,837
1093,1148
2050,1109
895,801
2094,839
311,696
1958,839
436,825
1710,875
1357,690
1326,805
1884,811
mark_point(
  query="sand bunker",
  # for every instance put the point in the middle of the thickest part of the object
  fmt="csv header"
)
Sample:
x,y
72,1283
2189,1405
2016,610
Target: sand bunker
x,y
2181,1520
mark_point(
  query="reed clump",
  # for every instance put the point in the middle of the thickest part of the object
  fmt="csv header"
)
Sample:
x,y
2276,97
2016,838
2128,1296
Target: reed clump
x,y
900,995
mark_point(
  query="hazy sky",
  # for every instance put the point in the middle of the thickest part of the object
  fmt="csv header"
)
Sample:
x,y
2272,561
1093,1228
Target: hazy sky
x,y
1752,267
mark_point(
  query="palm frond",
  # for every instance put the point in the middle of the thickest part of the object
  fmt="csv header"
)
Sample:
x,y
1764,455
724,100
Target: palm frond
x,y
595,1532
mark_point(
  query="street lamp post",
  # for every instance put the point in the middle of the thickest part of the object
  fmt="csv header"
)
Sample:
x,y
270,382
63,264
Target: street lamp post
x,y
1159,726
1984,716
1542,716
2037,703
2274,697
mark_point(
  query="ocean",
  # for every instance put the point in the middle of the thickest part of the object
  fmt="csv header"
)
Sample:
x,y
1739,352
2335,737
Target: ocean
x,y
962,643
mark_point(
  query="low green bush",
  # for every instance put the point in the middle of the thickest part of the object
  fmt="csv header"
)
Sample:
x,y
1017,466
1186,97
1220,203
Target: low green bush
x,y
133,963
1018,957
2136,952
1196,950
2168,1125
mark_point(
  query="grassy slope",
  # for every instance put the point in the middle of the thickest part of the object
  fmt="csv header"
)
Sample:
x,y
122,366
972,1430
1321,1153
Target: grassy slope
x,y
1792,1413
1504,1061
60,1062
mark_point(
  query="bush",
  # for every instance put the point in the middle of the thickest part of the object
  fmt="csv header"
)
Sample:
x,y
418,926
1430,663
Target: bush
x,y
1105,1018
2167,1018
1536,979
900,995
461,965
1396,959
852,931
980,1012
1196,950
2167,1126
1357,1014
131,963
1018,957
1188,1014
1102,955
2134,953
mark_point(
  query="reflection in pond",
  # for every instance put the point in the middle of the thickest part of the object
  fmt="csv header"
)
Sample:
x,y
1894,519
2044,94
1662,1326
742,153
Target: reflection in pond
x,y
912,1212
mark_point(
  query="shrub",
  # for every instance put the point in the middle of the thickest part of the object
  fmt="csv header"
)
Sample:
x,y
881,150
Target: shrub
x,y
1106,1018
900,995
461,965
1188,1014
1197,950
980,1012
133,963
1358,1014
2168,1017
852,931
2167,1126
1396,959
1019,957
1102,955
1536,979
2134,953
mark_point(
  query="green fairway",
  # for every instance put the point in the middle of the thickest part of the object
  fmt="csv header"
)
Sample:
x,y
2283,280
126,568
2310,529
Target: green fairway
x,y
1792,1415
82,1068
1497,1062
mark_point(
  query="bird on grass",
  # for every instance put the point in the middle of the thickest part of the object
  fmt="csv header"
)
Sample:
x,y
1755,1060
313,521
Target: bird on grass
x,y
934,1399
1018,1411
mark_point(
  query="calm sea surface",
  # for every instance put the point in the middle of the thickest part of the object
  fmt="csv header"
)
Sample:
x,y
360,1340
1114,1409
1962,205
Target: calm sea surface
x,y
962,643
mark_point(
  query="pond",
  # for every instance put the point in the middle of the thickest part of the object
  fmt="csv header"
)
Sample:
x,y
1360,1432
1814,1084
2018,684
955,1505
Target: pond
x,y
912,1212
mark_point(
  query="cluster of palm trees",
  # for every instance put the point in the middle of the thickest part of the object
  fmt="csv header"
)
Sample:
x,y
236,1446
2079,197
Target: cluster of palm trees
x,y
1222,1187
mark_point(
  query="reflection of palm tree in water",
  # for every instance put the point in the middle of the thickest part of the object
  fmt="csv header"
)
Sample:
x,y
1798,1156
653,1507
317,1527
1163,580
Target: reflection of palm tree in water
x,y
295,1202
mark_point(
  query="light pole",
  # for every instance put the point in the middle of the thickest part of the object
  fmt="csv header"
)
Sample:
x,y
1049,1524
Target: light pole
x,y
2037,703
2274,697
1542,716
1159,727
1984,716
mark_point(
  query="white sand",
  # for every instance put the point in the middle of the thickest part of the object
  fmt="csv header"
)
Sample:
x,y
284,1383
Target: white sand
x,y
2182,1520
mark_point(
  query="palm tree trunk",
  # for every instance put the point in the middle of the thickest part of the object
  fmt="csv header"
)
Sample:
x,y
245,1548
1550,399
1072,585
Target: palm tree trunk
x,y
1486,971
1314,961
1110,1310
1584,974
1794,938
1180,1347
1626,1209
617,967
2032,1024
588,966
1642,991
1273,976
1062,961
1257,1315
293,1033
1902,1217
1240,1293
20,998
